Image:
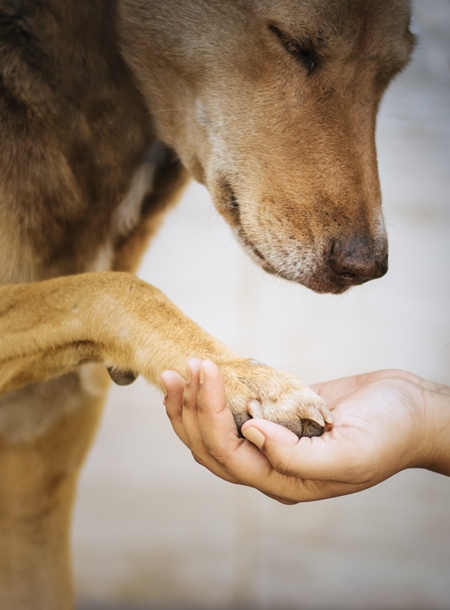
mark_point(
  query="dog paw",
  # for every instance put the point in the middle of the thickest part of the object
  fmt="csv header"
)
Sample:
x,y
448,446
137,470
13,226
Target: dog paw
x,y
256,390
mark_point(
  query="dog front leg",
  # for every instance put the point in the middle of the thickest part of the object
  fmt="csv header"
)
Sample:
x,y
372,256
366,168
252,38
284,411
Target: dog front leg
x,y
48,328
46,429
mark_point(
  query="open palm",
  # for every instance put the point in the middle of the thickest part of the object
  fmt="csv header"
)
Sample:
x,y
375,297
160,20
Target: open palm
x,y
378,429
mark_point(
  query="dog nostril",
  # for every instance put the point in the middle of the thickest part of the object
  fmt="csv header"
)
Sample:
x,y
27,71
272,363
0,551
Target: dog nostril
x,y
357,260
347,275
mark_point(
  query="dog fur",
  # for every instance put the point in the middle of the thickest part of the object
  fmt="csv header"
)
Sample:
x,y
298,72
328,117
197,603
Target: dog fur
x,y
107,108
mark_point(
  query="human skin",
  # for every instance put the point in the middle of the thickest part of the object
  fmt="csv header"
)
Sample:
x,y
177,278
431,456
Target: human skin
x,y
384,422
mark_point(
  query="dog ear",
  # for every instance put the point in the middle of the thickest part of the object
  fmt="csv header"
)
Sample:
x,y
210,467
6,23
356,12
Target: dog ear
x,y
121,377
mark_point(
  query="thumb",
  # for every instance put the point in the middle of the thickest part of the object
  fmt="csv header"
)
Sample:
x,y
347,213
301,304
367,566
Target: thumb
x,y
277,443
309,458
255,436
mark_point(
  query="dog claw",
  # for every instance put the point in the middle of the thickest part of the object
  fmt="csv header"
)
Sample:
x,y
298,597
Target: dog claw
x,y
325,415
121,377
318,419
254,409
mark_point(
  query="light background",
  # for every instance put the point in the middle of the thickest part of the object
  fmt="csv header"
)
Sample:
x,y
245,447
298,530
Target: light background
x,y
153,529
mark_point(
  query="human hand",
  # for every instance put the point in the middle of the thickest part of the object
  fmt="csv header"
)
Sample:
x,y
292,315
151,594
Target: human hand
x,y
384,422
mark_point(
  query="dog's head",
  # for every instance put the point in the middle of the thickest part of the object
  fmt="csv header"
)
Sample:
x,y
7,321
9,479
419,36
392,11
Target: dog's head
x,y
272,105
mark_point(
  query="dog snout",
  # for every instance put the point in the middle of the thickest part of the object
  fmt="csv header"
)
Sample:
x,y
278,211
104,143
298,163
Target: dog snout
x,y
355,260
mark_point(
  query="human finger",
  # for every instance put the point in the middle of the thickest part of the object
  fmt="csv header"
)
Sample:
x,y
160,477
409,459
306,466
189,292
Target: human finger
x,y
324,458
190,420
239,459
336,390
174,385
189,412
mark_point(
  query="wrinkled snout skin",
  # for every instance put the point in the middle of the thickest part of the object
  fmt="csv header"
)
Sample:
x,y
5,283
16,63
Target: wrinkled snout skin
x,y
272,105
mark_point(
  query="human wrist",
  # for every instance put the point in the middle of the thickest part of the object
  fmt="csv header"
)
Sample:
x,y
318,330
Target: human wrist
x,y
436,439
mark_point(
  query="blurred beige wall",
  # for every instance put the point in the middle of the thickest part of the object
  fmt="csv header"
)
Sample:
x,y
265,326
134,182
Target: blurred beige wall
x,y
153,529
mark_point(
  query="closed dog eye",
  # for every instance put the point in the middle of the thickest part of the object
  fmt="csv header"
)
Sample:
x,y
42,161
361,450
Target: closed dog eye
x,y
302,51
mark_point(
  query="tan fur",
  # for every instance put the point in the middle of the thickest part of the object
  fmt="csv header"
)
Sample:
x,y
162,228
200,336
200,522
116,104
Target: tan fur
x,y
105,111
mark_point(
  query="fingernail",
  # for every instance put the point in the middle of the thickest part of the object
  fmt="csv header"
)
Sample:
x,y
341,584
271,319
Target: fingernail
x,y
163,387
188,375
254,436
202,375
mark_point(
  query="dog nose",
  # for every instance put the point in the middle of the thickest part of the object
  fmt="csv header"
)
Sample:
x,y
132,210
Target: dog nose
x,y
356,260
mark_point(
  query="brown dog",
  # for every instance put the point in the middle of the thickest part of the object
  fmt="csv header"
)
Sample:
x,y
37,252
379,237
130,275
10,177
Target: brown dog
x,y
106,108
